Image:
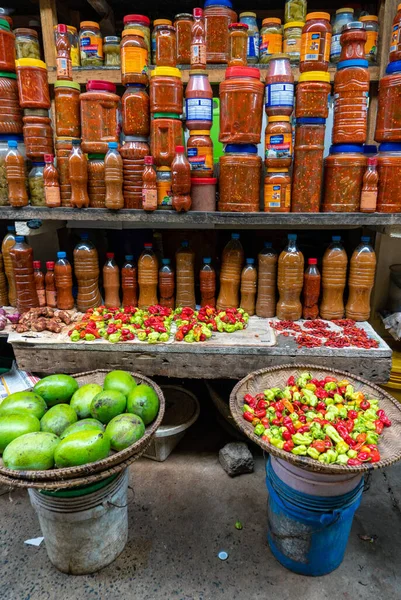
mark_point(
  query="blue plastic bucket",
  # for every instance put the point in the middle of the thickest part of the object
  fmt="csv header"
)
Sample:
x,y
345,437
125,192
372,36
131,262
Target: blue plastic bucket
x,y
308,534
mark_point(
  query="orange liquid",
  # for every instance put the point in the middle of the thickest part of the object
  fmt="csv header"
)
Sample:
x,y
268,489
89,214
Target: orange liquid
x,y
86,267
111,284
16,178
147,278
249,278
185,295
360,284
113,170
21,256
78,169
3,284
51,293
334,275
166,287
230,275
267,274
207,278
63,275
129,285
8,243
290,282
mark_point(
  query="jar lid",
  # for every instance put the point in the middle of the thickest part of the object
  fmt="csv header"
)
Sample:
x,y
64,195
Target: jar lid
x,y
7,137
393,67
138,32
137,19
218,3
337,148
315,76
37,164
25,31
135,85
96,84
247,14
135,138
111,39
279,56
9,75
271,20
30,62
356,62
163,169
5,24
167,27
199,72
310,121
183,16
61,83
243,26
241,148
161,115
63,139
200,132
278,118
157,22
366,18
96,156
353,25
86,24
243,72
390,147
369,149
318,15
167,71
36,112
203,180
294,24
344,10
281,170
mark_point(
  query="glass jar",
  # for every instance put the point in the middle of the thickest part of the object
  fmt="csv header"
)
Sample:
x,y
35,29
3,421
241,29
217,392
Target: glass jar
x,y
279,86
36,184
26,43
307,172
371,23
218,16
99,116
295,10
90,44
344,169
183,26
4,139
38,134
7,47
165,134
278,143
238,43
134,57
270,39
315,42
389,169
277,191
67,108
388,121
241,105
10,111
239,183
312,96
200,153
111,49
156,24
166,46
343,16
63,151
135,110
166,91
292,40
353,40
163,185
96,181
33,88
142,23
73,38
133,153
198,101
351,97
253,36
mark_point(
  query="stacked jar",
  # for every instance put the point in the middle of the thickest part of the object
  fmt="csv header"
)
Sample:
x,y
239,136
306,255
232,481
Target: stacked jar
x,y
10,110
218,15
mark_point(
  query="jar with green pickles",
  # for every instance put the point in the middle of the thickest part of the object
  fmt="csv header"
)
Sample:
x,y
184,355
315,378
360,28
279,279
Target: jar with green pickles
x,y
36,184
111,49
295,10
292,40
26,43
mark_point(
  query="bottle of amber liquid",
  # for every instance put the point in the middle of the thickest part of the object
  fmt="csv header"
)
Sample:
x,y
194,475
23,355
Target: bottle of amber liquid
x,y
207,277
3,284
166,284
39,282
113,175
198,40
181,181
267,276
149,187
311,291
63,276
50,281
184,260
369,187
111,282
129,283
249,277
7,244
290,281
78,169
16,175
51,183
21,256
361,281
63,49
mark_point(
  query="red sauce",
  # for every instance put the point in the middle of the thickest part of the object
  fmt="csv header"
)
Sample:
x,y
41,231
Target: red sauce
x,y
353,39
183,27
21,257
166,91
166,285
217,19
135,110
207,280
165,134
240,175
388,122
180,173
277,192
63,275
78,169
39,283
307,171
38,137
67,111
311,290
134,57
315,42
99,116
278,142
166,46
343,177
51,293
10,111
312,96
351,95
395,44
389,169
33,87
129,282
7,50
279,86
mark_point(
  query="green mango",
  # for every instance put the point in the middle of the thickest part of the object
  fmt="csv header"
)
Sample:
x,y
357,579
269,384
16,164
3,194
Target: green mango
x,y
125,430
31,452
108,404
84,425
82,398
22,403
121,381
81,448
58,418
144,402
56,389
14,425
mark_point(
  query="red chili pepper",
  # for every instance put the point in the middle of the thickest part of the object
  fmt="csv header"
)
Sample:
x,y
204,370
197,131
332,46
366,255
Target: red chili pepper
x,y
384,418
276,422
265,438
374,456
321,393
303,429
319,445
354,462
352,414
302,418
363,457
364,405
321,406
291,380
327,442
279,406
296,404
349,425
329,379
379,426
262,404
260,397
248,398
288,446
279,415
314,381
248,416
265,423
261,413
286,435
305,408
290,426
342,390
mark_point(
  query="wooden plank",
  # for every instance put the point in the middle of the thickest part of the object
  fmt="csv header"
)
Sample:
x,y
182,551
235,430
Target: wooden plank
x,y
372,114
48,19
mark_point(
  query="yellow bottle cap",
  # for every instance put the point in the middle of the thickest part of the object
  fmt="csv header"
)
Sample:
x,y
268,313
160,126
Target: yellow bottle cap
x,y
166,71
200,132
30,62
157,22
294,24
271,20
84,24
318,15
315,76
277,119
369,18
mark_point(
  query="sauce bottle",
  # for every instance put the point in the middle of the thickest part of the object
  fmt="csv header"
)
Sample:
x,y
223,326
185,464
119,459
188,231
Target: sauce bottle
x,y
111,282
39,283
184,262
361,281
166,284
369,187
21,256
267,274
334,276
3,284
51,183
78,169
113,176
147,277
7,244
149,187
311,290
51,292
181,180
63,276
199,102
63,59
207,278
290,281
230,274
198,40
129,282
249,277
86,268
16,177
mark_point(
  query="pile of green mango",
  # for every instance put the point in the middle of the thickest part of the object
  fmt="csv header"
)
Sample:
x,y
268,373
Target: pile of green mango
x,y
59,424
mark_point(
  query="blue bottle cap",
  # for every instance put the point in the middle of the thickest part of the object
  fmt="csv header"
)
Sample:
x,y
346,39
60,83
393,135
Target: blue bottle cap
x,y
292,236
365,239
250,261
129,257
19,238
268,244
207,261
336,238
113,145
11,228
310,121
390,147
38,164
84,235
370,149
235,236
217,3
166,261
393,67
184,244
338,148
12,144
6,137
61,254
241,148
355,62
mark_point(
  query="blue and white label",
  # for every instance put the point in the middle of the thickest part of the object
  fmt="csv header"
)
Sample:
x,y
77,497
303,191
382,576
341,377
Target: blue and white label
x,y
279,94
335,49
199,109
252,46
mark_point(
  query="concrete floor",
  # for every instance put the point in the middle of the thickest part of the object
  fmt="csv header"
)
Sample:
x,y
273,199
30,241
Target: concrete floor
x,y
182,514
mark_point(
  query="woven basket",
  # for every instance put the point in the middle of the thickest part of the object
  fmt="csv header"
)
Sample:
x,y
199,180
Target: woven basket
x,y
390,440
116,459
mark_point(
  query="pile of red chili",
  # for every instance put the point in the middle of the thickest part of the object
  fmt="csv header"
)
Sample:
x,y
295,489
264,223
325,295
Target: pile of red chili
x,y
316,333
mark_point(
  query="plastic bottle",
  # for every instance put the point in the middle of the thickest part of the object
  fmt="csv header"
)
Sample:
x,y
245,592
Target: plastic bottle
x,y
311,290
3,284
334,276
147,277
198,40
16,176
21,256
166,284
199,101
113,176
51,183
63,276
181,180
78,169
184,261
361,281
7,244
149,186
290,281
39,283
249,278
129,283
111,282
207,278
267,275
86,269
230,274
50,281
369,187
63,59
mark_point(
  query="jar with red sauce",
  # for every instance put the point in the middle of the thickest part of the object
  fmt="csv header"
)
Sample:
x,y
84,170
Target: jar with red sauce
x,y
156,23
344,169
315,42
133,153
278,143
239,182
200,153
10,110
33,87
241,106
134,57
395,44
218,16
166,91
7,47
38,134
351,97
388,121
312,95
99,116
183,26
307,172
353,39
165,134
389,169
279,86
166,46
277,191
63,151
199,101
67,108
135,110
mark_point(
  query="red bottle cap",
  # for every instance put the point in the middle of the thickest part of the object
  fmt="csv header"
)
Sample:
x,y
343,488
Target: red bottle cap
x,y
243,72
36,264
49,158
148,245
50,265
136,19
96,84
148,160
61,28
312,261
372,161
243,26
109,254
197,12
179,149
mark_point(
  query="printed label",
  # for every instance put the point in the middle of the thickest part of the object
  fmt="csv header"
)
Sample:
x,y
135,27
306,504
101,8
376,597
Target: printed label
x,y
335,46
315,47
200,159
278,145
252,48
279,94
149,199
52,196
199,109
292,46
51,298
164,194
371,43
269,43
92,46
198,54
41,297
368,201
75,57
394,38
277,196
63,68
134,60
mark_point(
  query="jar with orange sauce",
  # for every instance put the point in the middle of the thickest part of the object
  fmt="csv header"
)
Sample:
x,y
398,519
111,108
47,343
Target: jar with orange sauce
x,y
135,110
165,134
7,47
344,169
278,143
166,46
183,26
353,39
166,91
133,153
99,116
277,190
200,153
63,151
218,16
351,97
33,87
134,57
312,95
389,169
38,134
240,175
156,24
388,121
238,43
10,110
315,42
67,108
395,44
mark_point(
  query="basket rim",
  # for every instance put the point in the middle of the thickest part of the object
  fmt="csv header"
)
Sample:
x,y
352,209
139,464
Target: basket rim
x,y
114,459
304,462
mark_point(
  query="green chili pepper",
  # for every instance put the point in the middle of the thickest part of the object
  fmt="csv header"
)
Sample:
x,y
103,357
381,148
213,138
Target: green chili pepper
x,y
115,337
277,442
299,450
89,337
342,447
328,457
352,453
372,438
259,429
74,337
342,459
302,439
333,434
313,453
